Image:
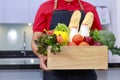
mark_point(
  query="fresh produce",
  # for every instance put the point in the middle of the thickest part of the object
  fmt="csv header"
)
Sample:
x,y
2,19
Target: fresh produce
x,y
47,40
62,27
62,31
96,44
72,44
84,44
64,35
105,37
89,40
77,39
115,50
94,34
60,39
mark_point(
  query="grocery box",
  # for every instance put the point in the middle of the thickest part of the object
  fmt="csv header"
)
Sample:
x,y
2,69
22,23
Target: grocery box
x,y
79,57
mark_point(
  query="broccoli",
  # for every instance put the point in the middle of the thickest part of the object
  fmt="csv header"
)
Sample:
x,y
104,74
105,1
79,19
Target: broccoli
x,y
106,38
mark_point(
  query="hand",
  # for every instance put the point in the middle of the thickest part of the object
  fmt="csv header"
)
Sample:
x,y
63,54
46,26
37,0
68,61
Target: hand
x,y
43,60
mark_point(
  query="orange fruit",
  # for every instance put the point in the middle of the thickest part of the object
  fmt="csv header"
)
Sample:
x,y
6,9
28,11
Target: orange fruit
x,y
84,44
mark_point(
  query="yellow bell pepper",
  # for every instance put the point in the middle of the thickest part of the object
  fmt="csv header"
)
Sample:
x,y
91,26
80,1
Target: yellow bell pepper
x,y
63,34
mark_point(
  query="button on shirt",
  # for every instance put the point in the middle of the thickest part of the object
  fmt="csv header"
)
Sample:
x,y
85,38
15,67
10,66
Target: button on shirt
x,y
44,13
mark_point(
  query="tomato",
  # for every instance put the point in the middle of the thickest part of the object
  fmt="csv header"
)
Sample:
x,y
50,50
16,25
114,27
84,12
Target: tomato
x,y
72,44
77,39
84,44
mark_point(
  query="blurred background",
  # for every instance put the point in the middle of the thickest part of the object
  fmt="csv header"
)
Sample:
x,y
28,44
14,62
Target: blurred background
x,y
17,61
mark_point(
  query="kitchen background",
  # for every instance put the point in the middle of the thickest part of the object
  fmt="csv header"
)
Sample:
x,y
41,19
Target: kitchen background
x,y
16,33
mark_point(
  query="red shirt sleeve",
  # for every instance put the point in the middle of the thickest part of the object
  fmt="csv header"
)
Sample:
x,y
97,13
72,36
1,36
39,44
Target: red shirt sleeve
x,y
39,24
42,18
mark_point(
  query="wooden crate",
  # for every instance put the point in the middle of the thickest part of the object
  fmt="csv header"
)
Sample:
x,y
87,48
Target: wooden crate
x,y
79,57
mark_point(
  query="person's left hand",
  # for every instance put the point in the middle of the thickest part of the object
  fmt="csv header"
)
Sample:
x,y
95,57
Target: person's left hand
x,y
43,60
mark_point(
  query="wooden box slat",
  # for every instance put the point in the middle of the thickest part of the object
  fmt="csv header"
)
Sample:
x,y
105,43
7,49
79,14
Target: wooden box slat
x,y
79,57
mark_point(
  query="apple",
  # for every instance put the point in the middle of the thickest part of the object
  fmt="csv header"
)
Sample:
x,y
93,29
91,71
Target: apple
x,y
89,40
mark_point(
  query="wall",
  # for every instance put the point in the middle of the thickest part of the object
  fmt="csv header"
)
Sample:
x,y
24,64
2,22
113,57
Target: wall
x,y
112,73
12,36
115,19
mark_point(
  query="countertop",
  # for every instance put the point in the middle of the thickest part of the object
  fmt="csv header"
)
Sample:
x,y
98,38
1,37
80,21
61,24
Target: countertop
x,y
18,60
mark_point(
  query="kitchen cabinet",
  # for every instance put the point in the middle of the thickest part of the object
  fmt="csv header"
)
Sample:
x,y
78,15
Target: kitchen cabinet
x,y
16,11
2,4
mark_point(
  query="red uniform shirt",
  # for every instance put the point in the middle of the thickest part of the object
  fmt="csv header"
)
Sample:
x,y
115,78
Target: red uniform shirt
x,y
44,13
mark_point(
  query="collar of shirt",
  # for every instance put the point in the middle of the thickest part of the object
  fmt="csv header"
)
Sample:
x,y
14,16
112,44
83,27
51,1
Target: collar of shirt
x,y
64,5
61,2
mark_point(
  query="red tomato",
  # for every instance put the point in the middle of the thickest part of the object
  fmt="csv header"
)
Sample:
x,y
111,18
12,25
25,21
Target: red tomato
x,y
77,39
72,44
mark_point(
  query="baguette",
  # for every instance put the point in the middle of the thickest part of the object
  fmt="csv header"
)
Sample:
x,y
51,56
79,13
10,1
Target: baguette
x,y
75,19
88,20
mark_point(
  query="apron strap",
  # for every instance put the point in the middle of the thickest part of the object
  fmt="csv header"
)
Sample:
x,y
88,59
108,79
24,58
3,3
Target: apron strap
x,y
56,3
81,6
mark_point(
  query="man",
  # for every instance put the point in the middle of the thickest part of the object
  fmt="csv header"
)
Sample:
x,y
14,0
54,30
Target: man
x,y
48,15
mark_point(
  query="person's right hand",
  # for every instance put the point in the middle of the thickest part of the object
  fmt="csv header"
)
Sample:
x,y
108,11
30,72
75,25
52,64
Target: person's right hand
x,y
43,60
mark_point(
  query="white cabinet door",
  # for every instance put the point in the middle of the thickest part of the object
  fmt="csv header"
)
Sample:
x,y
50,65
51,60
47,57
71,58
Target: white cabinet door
x,y
2,6
17,11
34,5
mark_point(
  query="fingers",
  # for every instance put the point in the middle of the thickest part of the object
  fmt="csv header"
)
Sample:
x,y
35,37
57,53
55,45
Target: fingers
x,y
43,67
43,60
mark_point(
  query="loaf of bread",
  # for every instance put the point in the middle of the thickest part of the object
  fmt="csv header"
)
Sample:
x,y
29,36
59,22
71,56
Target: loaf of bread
x,y
75,19
88,20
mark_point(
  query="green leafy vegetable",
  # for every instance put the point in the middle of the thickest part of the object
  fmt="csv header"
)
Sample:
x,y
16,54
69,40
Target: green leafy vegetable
x,y
103,36
94,34
115,50
45,41
107,38
61,27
